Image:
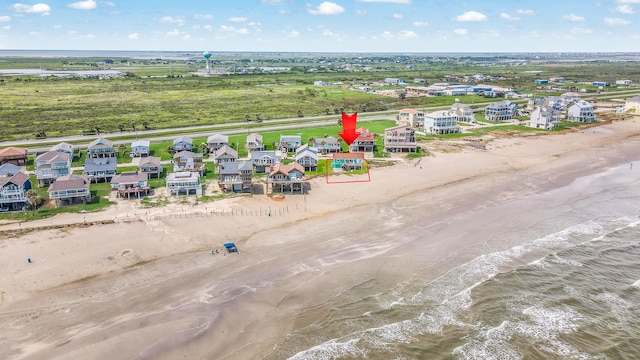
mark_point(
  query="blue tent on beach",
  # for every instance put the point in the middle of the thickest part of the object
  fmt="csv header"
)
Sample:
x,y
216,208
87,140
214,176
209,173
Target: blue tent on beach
x,y
231,247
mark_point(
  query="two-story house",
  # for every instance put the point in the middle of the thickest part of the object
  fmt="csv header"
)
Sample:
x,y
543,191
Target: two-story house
x,y
441,122
51,165
216,141
286,177
327,144
100,168
463,112
129,185
348,161
224,154
365,142
151,166
289,143
101,148
140,148
183,143
401,138
261,160
65,148
254,142
235,176
581,111
13,192
412,117
500,111
14,155
183,183
188,161
307,157
544,117
69,188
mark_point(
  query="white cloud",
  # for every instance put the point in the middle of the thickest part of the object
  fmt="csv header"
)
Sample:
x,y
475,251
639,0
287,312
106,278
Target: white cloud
x,y
5,18
326,8
407,34
83,5
524,12
577,30
178,20
361,12
284,12
387,1
238,19
133,36
233,30
292,34
108,3
616,21
420,23
274,2
509,17
41,8
57,27
6,27
628,1
471,16
203,17
624,9
398,16
573,17
174,32
461,32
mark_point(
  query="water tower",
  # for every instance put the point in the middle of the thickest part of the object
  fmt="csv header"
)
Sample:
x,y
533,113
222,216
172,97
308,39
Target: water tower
x,y
207,55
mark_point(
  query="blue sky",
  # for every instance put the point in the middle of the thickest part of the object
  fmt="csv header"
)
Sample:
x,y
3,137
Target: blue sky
x,y
323,26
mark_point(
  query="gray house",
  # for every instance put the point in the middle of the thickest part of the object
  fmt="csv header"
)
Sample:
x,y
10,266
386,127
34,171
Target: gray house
x,y
51,165
261,160
307,157
100,169
70,188
182,143
289,143
581,111
235,176
254,142
216,141
101,148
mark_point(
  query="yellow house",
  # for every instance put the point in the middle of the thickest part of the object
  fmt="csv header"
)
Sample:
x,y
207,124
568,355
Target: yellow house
x,y
632,105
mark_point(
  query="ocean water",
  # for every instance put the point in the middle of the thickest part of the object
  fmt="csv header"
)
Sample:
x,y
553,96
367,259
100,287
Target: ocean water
x,y
569,288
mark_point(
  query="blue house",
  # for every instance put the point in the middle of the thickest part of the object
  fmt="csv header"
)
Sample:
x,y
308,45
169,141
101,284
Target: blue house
x,y
347,161
140,148
542,82
182,143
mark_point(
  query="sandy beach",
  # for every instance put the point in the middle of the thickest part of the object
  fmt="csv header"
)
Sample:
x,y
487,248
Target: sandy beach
x,y
146,286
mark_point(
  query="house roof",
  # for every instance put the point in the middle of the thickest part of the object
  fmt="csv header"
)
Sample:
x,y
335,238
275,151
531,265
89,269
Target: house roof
x,y
306,148
182,175
186,154
634,99
129,177
18,178
141,143
13,151
63,147
70,182
307,152
265,153
225,149
218,138
582,104
100,142
149,161
254,137
399,127
53,156
229,168
410,111
91,164
9,169
184,139
350,155
290,138
365,135
286,168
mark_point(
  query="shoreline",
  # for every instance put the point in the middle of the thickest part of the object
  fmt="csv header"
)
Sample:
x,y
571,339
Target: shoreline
x,y
78,268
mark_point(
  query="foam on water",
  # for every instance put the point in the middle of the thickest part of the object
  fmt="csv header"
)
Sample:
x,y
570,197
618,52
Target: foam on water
x,y
636,284
331,350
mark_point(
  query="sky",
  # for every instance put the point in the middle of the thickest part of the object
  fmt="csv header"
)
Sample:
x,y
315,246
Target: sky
x,y
409,26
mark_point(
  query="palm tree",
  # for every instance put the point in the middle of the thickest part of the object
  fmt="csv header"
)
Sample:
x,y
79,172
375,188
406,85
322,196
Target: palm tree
x,y
34,200
311,140
122,148
171,150
204,148
145,124
121,127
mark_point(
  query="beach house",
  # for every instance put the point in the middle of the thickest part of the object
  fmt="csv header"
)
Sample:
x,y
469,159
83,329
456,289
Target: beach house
x,y
307,157
70,188
216,141
254,142
140,148
51,165
463,112
632,105
413,117
14,155
581,111
235,176
224,154
401,138
131,184
9,169
365,142
441,122
289,143
286,177
101,148
261,160
188,161
183,183
64,147
100,168
183,143
326,145
13,192
544,117
151,166
347,161
500,111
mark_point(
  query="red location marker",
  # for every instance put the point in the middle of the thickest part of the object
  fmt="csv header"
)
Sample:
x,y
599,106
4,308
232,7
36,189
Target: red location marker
x,y
349,133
